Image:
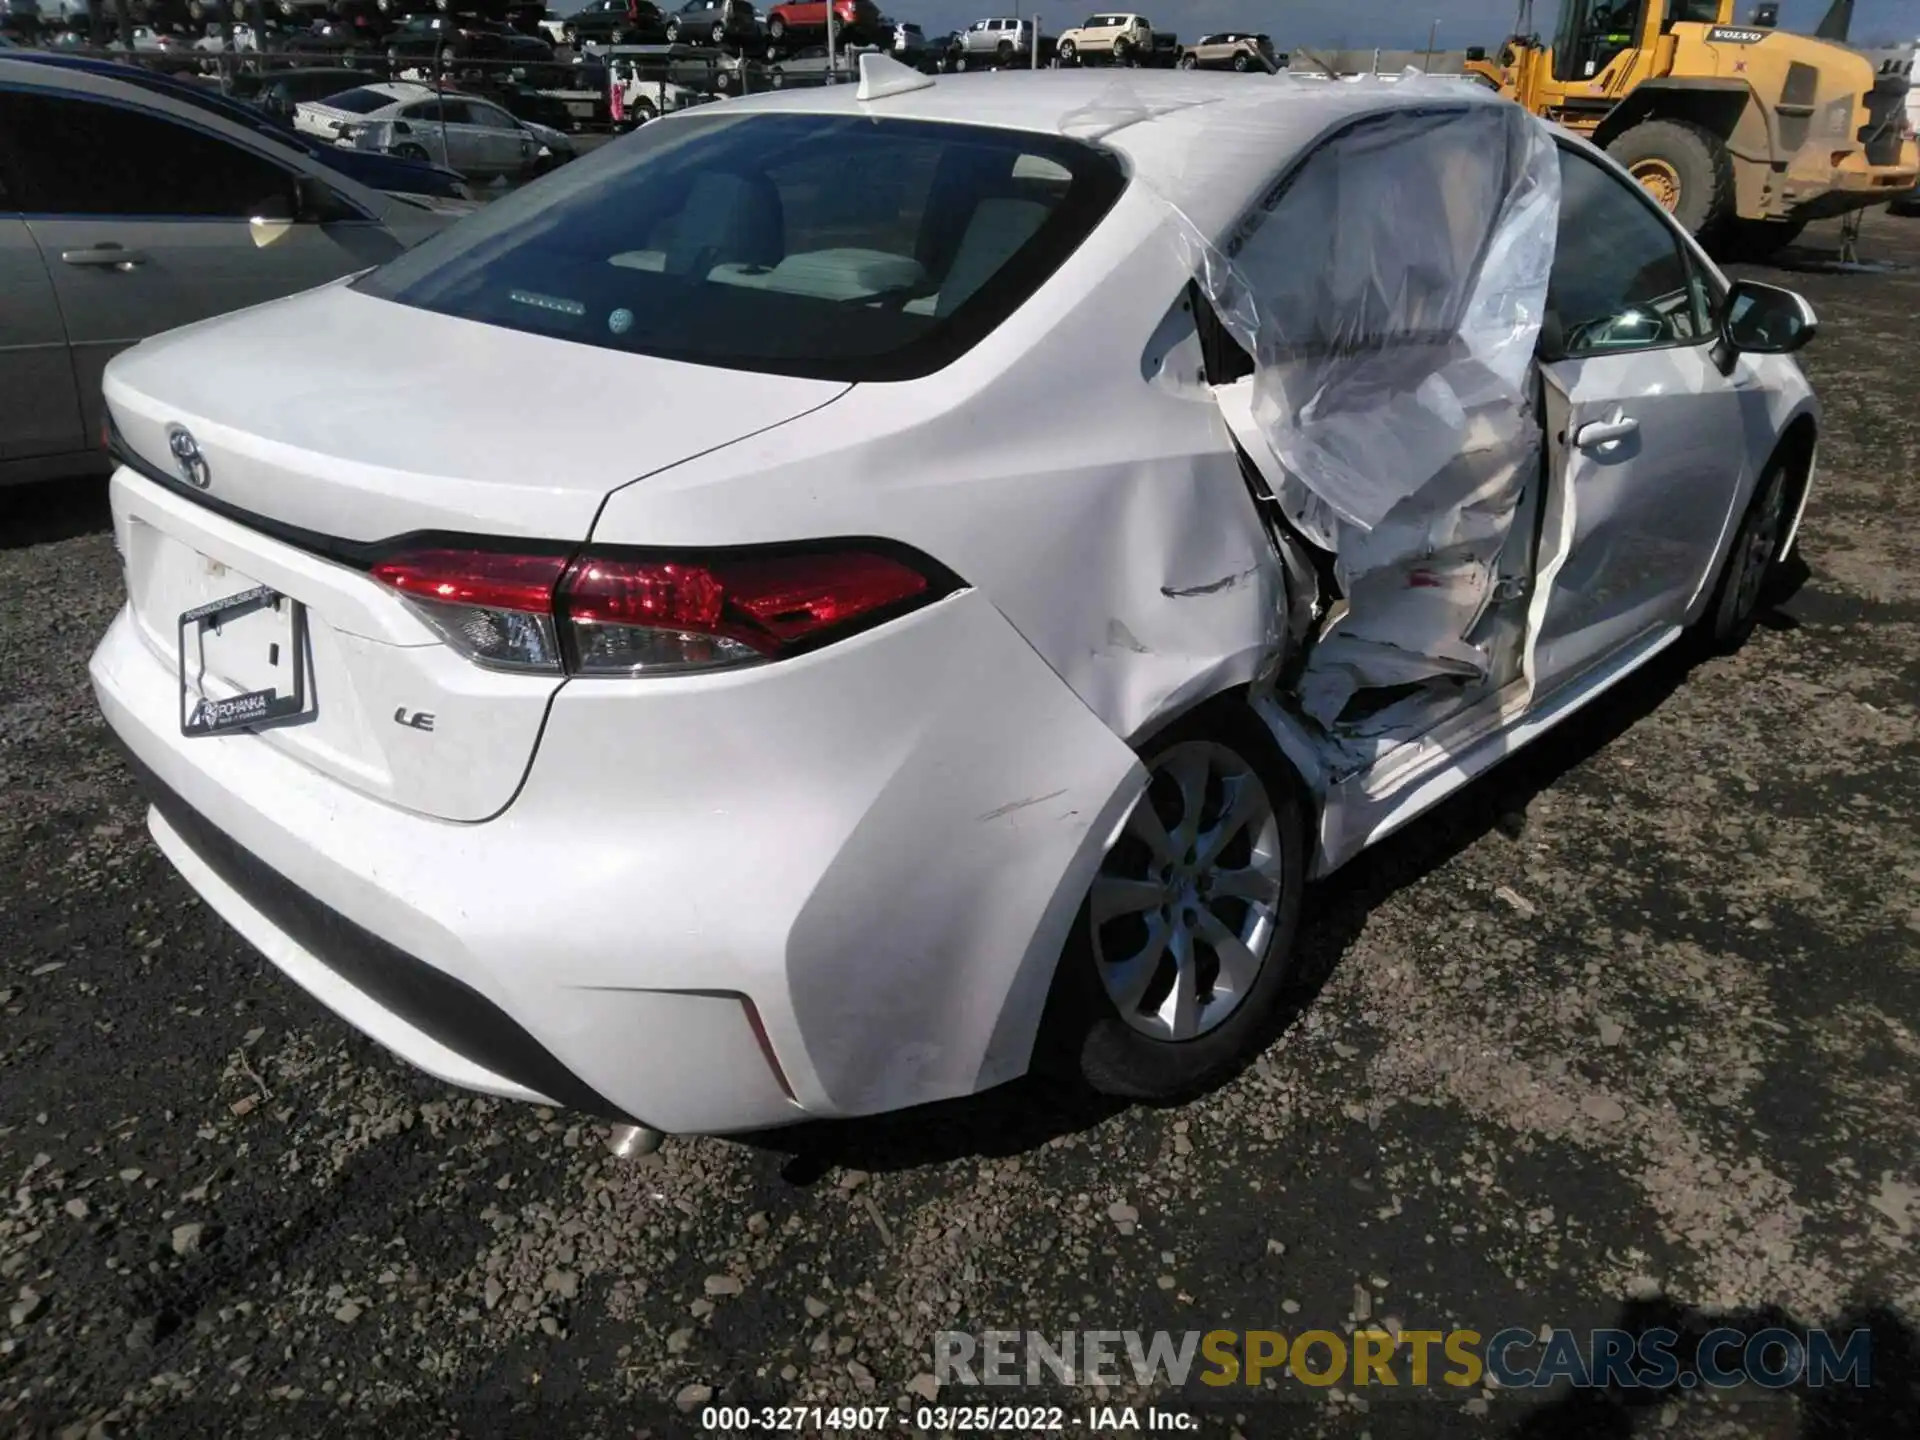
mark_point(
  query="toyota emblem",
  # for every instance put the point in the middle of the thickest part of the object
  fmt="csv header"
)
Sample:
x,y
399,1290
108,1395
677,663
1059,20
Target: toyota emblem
x,y
187,458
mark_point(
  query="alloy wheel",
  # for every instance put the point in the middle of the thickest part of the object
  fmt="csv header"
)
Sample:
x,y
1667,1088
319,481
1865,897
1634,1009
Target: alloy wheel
x,y
1183,909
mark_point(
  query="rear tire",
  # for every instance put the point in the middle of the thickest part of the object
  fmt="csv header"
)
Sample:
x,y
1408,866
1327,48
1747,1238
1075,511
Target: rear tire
x,y
1685,168
777,28
1122,53
1187,62
1242,64
1068,53
1117,1036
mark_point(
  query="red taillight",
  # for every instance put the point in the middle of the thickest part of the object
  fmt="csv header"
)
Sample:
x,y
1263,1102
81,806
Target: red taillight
x,y
611,614
495,608
475,577
632,615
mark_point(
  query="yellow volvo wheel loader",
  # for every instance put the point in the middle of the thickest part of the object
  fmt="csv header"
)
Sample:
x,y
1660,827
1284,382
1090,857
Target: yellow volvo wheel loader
x,y
1745,132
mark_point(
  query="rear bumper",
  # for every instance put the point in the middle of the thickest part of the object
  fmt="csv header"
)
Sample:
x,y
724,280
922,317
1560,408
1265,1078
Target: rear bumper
x,y
447,1027
829,887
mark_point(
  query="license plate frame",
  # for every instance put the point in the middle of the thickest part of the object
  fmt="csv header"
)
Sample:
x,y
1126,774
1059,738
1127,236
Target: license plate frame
x,y
202,715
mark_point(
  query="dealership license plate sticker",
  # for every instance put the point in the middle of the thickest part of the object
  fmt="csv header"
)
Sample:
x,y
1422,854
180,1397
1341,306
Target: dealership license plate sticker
x,y
257,642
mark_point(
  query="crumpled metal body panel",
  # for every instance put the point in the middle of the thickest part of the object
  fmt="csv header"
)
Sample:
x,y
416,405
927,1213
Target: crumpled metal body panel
x,y
1389,289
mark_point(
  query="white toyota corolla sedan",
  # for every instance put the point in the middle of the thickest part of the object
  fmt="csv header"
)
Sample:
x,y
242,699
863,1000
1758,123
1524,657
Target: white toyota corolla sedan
x,y
840,598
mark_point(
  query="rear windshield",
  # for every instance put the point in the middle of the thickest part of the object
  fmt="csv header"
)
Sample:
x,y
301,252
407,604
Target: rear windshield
x,y
834,247
359,102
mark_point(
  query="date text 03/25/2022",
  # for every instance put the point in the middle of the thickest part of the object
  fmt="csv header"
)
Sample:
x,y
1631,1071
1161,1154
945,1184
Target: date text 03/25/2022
x,y
943,1419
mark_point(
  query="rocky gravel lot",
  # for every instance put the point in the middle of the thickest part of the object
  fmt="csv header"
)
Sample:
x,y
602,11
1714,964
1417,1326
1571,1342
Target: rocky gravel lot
x,y
1629,1032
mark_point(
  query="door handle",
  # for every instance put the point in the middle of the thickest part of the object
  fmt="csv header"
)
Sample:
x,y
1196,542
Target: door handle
x,y
1618,426
105,253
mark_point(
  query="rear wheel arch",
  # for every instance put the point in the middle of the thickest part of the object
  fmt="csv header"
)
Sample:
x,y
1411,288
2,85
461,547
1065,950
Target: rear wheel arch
x,y
1205,709
1795,449
1716,109
1758,545
1081,1036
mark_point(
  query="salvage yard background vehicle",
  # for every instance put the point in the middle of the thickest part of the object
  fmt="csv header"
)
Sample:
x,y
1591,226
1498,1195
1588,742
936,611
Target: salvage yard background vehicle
x,y
221,39
1230,50
425,37
1002,41
415,122
1121,38
137,213
712,22
1082,707
808,65
853,19
540,107
1745,132
281,92
616,22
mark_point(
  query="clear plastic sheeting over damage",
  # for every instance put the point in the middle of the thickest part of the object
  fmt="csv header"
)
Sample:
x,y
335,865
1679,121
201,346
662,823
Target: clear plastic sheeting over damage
x,y
1389,289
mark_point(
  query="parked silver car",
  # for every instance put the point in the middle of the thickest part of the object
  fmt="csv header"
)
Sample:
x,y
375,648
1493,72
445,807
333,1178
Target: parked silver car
x,y
710,22
417,122
124,213
809,66
997,41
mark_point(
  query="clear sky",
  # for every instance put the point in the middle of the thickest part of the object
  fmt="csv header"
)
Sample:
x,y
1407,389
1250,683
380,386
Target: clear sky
x,y
1365,23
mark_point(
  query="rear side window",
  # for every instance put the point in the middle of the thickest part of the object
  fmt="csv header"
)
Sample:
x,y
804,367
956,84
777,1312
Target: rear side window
x,y
358,102
92,158
824,246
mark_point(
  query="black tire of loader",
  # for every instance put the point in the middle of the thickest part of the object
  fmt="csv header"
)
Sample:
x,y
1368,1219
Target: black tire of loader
x,y
1700,162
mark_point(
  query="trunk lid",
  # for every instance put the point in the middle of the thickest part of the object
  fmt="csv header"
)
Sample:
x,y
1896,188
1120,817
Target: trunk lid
x,y
336,417
364,419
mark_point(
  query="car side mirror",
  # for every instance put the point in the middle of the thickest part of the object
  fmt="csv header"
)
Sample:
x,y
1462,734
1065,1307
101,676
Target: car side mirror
x,y
316,203
1763,320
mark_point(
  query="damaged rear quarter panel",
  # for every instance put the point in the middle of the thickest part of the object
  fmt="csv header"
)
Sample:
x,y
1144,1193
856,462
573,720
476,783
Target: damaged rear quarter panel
x,y
1103,514
1106,521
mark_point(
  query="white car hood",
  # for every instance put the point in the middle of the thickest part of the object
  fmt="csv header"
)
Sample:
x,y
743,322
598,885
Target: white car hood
x,y
363,419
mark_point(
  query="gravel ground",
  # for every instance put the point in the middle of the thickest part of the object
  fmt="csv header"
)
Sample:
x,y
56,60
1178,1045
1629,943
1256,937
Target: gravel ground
x,y
1629,1031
